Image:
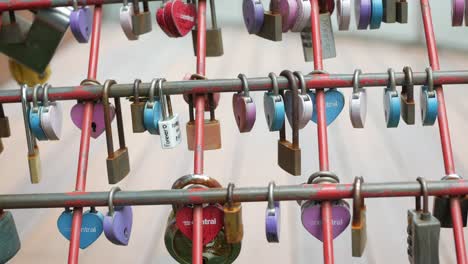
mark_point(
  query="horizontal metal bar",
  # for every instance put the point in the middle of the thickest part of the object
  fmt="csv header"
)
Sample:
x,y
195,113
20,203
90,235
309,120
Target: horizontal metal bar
x,y
41,4
248,194
93,92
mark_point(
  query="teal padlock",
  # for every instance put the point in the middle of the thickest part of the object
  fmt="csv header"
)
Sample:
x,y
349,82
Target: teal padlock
x,y
35,117
274,105
152,111
91,226
10,243
429,102
391,101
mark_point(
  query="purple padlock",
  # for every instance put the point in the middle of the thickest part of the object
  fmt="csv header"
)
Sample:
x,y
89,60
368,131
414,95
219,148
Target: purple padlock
x,y
252,11
244,107
118,222
288,11
272,217
81,23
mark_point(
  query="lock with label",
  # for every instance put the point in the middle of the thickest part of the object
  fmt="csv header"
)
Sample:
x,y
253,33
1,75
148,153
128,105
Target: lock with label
x,y
126,14
358,103
178,235
390,11
24,75
407,97
51,116
214,36
429,102
118,163
289,153
81,22
359,225
423,231
118,222
14,29
442,206
303,15
34,161
273,105
35,116
233,226
152,111
327,39
10,243
91,226
272,216
141,21
391,101
137,109
402,11
244,107
4,124
169,126
272,24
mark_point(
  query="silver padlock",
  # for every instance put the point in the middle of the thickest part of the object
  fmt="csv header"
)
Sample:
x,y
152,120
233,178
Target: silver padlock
x,y
327,39
13,30
169,127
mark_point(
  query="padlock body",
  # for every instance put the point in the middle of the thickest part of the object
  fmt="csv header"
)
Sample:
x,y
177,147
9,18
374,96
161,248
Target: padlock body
x,y
13,33
118,165
10,243
141,23
442,211
389,15
233,226
408,109
212,135
423,238
4,127
359,235
289,157
169,131
35,170
214,42
137,117
402,12
272,27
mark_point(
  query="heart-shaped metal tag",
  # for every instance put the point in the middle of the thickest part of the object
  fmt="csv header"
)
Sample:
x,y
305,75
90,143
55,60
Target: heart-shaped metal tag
x,y
244,112
98,125
118,227
183,16
91,226
81,21
312,218
213,221
334,103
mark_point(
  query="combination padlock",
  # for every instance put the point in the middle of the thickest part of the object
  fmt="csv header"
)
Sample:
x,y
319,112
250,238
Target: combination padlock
x,y
141,21
169,127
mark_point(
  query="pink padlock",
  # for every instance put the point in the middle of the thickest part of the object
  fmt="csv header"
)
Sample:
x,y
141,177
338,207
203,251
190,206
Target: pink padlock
x,y
216,96
244,107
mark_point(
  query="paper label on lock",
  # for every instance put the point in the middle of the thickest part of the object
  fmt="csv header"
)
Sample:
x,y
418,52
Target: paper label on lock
x,y
169,131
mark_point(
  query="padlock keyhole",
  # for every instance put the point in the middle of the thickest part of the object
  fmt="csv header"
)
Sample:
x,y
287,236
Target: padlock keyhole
x,y
93,127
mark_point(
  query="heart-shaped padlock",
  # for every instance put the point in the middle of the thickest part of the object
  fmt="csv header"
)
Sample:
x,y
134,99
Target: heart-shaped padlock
x,y
152,112
358,103
212,222
118,222
35,116
126,13
162,22
98,124
391,101
429,102
252,10
288,11
273,106
182,16
91,226
305,106
334,103
51,116
303,15
272,216
244,107
81,21
311,217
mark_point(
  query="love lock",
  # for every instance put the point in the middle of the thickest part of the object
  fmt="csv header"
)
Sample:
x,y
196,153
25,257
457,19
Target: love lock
x,y
252,11
35,116
358,103
141,21
288,11
118,163
407,97
391,101
126,14
118,222
272,216
244,107
81,21
179,18
169,126
273,105
152,112
91,226
34,161
178,233
303,15
272,24
233,226
216,96
429,101
10,243
24,75
442,206
214,36
137,109
304,107
51,116
13,30
359,225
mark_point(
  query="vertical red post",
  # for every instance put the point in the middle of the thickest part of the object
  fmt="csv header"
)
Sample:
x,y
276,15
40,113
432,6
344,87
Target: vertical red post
x,y
322,133
85,139
197,249
444,132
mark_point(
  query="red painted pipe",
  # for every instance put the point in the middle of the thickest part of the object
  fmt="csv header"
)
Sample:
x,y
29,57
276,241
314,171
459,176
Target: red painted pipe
x,y
444,132
73,252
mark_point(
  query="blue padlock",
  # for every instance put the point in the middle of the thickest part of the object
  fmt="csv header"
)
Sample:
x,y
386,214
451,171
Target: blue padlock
x,y
152,112
91,226
429,102
334,103
376,14
391,101
273,105
35,116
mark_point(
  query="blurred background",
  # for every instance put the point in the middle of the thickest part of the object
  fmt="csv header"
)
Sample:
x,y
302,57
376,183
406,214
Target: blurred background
x,y
375,152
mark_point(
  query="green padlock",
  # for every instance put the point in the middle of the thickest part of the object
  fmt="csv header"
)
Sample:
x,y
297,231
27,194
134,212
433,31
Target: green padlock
x,y
9,240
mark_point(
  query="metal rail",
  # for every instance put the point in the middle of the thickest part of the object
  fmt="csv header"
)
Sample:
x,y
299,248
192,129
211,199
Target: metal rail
x,y
42,4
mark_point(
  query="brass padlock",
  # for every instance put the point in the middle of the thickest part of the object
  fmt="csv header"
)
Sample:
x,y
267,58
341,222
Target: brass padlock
x,y
407,97
4,124
14,30
214,36
233,226
359,225
442,207
118,163
272,23
34,161
289,154
402,11
24,75
389,11
212,128
10,243
137,108
141,21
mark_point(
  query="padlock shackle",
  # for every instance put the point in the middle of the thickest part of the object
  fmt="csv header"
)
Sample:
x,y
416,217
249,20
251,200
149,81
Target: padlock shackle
x,y
271,198
107,120
110,200
392,82
45,96
136,92
358,200
26,106
35,108
430,81
408,87
274,83
295,105
245,85
191,179
425,195
322,177
229,194
162,99
214,20
302,82
356,87
150,103
136,6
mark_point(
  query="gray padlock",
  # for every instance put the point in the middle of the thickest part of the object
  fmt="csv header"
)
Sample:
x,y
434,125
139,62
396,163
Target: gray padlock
x,y
214,36
48,28
141,21
389,11
10,243
442,206
327,39
13,30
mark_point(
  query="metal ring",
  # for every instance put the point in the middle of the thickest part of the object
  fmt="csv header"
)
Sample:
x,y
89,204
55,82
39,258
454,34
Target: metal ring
x,y
356,86
89,82
328,175
197,76
271,200
302,82
136,88
245,83
357,198
425,194
34,98
430,79
274,83
110,200
105,91
151,91
452,177
318,72
391,80
229,193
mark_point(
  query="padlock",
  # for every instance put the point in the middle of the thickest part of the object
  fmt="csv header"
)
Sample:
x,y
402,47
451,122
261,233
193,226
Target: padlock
x,y
14,30
289,153
423,231
214,36
137,108
272,24
10,243
363,13
24,75
429,102
118,163
4,124
402,11
390,11
81,22
274,105
305,105
243,107
272,216
327,39
169,127
359,225
51,116
441,207
141,21
358,103
252,11
217,249
152,111
458,10
34,161
35,116
233,226
36,51
216,96
303,15
91,226
288,11
391,101
343,14
118,222
407,97
126,13
212,128
376,14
